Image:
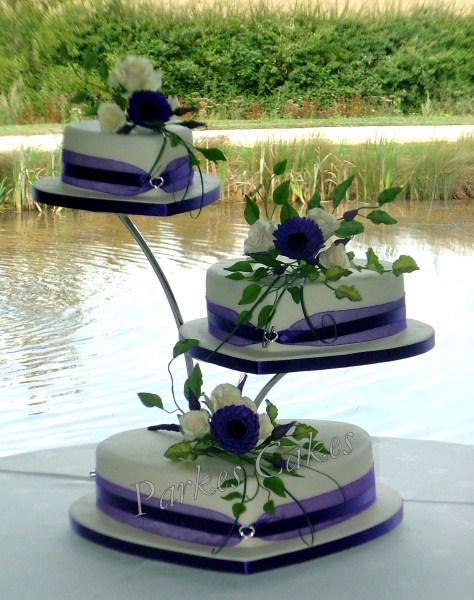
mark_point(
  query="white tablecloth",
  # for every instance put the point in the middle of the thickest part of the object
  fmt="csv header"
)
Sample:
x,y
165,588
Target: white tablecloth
x,y
429,556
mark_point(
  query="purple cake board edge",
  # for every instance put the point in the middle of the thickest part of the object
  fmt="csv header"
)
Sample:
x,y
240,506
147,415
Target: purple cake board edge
x,y
126,207
240,567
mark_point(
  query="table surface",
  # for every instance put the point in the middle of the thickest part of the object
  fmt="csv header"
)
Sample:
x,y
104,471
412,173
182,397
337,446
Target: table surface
x,y
430,555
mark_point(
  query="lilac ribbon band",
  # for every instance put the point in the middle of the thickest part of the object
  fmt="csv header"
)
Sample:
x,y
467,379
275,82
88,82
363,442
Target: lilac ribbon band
x,y
204,526
122,179
330,328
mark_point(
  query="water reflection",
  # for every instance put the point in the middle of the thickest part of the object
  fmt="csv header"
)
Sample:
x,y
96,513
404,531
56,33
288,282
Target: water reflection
x,y
84,325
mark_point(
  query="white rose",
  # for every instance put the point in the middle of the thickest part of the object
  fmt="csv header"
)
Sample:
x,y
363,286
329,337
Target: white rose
x,y
260,236
136,73
227,394
194,423
266,426
326,221
334,256
111,117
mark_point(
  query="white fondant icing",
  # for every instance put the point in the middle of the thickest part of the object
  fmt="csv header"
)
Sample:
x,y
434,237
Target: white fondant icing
x,y
375,289
140,147
135,456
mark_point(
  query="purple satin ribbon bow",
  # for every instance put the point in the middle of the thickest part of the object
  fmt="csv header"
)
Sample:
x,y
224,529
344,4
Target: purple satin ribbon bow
x,y
123,179
331,328
205,526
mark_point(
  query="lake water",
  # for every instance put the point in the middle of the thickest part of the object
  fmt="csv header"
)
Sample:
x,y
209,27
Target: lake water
x,y
84,326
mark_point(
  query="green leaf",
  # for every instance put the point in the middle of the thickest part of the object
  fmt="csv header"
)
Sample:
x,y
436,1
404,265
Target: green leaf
x,y
227,483
269,507
180,452
302,431
280,167
232,496
287,212
193,383
272,411
315,201
281,193
259,273
380,217
265,316
340,191
238,509
243,317
335,273
251,211
250,293
266,259
388,195
184,346
235,276
295,292
309,271
373,262
193,160
297,191
275,485
404,264
212,154
150,400
242,265
351,293
349,228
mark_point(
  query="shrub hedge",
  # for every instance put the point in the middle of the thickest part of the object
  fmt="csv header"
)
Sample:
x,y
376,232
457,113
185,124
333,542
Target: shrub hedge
x,y
238,63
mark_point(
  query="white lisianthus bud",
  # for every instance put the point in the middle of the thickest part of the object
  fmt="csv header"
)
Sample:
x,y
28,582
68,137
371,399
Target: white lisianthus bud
x,y
266,426
135,73
174,102
260,236
194,423
326,221
334,256
227,394
111,117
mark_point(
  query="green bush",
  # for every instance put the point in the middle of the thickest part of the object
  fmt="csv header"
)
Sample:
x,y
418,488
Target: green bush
x,y
258,61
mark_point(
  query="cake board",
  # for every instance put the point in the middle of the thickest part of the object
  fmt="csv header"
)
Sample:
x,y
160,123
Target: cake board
x,y
416,339
252,555
202,192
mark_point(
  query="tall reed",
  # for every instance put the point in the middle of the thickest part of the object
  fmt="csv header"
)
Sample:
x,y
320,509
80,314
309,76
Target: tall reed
x,y
426,172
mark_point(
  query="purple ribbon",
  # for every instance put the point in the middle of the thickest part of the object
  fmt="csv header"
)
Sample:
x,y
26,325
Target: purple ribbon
x,y
243,567
205,526
331,328
122,179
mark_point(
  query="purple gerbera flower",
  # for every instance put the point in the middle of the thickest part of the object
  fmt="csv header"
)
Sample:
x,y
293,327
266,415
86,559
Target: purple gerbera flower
x,y
298,238
149,109
235,428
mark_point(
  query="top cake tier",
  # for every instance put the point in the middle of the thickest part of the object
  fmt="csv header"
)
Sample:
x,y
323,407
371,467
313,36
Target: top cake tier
x,y
143,172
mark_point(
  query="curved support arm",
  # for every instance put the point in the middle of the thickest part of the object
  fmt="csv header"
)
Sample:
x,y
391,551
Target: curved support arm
x,y
267,387
137,236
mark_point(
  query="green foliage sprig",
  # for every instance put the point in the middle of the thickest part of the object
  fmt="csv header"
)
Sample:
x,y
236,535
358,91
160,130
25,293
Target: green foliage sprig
x,y
262,451
275,267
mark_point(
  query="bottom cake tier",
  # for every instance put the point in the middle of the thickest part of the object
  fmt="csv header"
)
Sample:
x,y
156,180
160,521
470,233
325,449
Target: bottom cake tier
x,y
326,501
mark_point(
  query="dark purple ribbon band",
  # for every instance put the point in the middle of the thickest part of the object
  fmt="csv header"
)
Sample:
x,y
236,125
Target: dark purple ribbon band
x,y
330,328
204,526
120,178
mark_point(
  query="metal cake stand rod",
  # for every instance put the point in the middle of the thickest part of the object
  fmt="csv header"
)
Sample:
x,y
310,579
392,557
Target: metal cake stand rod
x,y
131,227
260,397
161,278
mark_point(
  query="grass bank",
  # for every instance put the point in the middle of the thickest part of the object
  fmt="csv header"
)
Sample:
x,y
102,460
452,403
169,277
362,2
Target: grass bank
x,y
305,59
